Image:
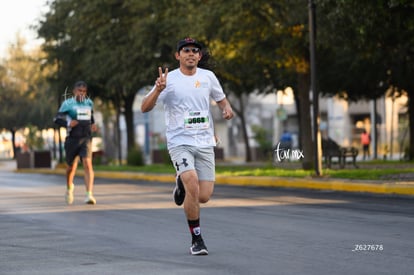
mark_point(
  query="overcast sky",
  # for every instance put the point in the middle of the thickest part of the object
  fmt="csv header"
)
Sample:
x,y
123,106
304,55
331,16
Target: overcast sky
x,y
16,16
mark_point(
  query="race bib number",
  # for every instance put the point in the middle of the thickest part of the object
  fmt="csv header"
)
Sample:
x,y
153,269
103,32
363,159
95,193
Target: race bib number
x,y
83,114
197,120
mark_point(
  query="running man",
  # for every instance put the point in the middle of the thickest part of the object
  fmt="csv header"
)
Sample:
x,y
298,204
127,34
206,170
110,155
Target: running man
x,y
76,114
185,93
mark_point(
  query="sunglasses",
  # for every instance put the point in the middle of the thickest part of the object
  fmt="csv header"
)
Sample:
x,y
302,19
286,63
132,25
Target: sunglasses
x,y
187,50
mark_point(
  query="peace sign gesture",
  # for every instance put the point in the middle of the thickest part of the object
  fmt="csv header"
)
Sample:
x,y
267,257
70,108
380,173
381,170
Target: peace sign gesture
x,y
161,81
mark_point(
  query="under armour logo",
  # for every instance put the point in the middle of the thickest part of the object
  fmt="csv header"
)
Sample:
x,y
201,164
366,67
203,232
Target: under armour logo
x,y
178,164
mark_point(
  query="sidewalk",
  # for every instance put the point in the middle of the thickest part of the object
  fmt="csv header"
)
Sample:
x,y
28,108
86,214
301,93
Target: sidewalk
x,y
386,187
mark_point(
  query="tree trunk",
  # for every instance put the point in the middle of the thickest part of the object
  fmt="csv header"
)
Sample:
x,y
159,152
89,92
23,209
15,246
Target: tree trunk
x,y
305,122
13,133
244,131
118,134
129,120
411,123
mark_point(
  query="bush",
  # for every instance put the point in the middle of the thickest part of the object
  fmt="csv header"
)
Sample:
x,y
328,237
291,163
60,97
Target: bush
x,y
261,135
34,139
135,157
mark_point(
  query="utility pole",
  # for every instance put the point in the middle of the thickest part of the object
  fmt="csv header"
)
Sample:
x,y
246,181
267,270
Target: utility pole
x,y
313,91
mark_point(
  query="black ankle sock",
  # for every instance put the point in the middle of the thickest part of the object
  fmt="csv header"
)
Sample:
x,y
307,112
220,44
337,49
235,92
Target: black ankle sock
x,y
195,229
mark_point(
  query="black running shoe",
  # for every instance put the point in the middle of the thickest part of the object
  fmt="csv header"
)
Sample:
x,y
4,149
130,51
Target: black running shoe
x,y
179,191
198,248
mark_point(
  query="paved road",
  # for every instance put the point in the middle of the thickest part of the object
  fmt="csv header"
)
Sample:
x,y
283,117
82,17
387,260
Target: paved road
x,y
136,229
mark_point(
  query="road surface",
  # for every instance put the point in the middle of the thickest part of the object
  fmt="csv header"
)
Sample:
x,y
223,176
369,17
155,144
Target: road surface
x,y
135,228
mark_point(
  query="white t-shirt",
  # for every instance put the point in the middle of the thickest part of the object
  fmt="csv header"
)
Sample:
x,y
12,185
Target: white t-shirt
x,y
186,101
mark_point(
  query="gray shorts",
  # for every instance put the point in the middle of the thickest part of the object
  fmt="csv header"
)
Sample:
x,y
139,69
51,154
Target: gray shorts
x,y
185,157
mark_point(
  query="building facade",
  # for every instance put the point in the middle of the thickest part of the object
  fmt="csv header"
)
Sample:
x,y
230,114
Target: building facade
x,y
386,119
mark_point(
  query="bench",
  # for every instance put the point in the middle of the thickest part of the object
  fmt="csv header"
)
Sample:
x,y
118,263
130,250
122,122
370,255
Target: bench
x,y
330,150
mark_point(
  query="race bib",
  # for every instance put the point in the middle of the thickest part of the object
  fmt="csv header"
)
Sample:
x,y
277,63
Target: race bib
x,y
196,120
83,114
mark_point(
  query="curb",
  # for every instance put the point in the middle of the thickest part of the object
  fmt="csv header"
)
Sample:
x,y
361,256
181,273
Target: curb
x,y
400,188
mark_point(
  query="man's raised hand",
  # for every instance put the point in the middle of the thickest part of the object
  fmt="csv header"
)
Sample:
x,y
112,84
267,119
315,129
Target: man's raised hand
x,y
161,81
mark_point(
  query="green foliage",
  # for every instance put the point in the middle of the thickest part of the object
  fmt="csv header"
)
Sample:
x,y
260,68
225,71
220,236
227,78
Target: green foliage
x,y
135,157
366,47
373,171
154,168
363,47
24,92
34,140
263,138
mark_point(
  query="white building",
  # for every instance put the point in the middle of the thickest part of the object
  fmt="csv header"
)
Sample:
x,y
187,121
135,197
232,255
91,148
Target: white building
x,y
341,120
344,121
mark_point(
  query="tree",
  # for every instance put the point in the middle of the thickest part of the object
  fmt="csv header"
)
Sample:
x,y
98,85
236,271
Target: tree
x,y
24,91
109,39
115,45
258,46
367,49
261,46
